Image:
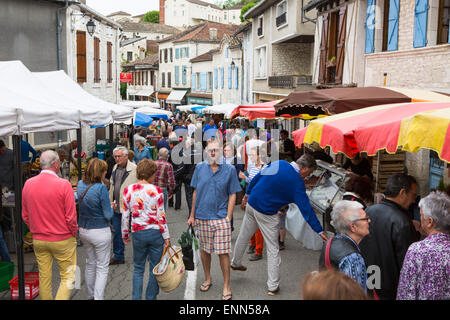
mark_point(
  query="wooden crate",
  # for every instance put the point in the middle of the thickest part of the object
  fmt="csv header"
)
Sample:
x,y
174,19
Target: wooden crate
x,y
389,164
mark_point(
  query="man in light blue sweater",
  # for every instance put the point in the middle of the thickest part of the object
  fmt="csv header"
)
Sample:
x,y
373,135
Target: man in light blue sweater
x,y
274,187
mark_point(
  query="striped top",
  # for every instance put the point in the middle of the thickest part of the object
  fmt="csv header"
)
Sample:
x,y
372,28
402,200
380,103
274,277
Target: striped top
x,y
253,171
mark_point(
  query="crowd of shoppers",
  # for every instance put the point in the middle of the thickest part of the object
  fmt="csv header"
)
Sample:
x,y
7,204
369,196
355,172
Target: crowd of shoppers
x,y
134,210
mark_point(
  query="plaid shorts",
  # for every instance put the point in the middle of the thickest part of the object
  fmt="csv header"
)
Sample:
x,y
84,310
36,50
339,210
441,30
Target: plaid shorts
x,y
214,235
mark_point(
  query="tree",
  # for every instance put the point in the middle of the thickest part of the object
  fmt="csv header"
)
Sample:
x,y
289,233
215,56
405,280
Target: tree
x,y
245,9
151,16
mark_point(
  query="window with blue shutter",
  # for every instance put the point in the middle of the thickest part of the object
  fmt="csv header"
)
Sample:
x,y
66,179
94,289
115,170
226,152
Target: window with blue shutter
x,y
203,81
394,8
420,23
216,79
226,52
187,52
177,74
222,82
230,84
370,26
177,53
236,79
193,81
183,74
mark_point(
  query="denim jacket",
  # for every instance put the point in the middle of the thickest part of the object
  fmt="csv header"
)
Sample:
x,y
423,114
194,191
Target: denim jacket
x,y
95,209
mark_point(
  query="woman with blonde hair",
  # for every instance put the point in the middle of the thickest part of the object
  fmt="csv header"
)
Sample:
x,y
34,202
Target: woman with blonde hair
x,y
145,203
94,226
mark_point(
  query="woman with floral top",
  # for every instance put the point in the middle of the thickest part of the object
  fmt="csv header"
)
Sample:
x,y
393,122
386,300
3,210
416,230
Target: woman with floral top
x,y
426,269
145,203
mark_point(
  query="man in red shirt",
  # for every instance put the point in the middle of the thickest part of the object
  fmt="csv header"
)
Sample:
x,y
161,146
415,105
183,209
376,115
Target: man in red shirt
x,y
165,178
48,209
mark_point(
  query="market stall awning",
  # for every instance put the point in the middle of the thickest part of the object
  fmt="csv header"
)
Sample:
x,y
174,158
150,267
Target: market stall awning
x,y
176,96
338,100
198,109
140,104
186,107
59,81
226,109
267,109
17,79
409,126
144,92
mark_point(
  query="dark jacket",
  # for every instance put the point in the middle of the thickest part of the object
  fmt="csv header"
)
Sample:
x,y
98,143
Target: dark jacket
x,y
340,248
391,234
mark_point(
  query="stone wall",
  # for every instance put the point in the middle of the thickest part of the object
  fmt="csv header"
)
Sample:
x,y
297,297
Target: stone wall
x,y
291,59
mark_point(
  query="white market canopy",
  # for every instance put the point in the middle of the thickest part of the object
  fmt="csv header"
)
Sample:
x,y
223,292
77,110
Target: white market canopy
x,y
138,104
188,107
176,96
60,82
225,109
152,111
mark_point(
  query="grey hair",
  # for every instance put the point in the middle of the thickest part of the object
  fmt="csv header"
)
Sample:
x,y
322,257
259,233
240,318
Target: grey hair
x,y
307,161
343,213
163,153
437,206
118,148
48,158
141,140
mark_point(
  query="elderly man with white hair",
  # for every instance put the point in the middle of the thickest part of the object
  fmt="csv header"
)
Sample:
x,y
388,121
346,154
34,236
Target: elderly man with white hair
x,y
342,252
425,272
164,178
48,209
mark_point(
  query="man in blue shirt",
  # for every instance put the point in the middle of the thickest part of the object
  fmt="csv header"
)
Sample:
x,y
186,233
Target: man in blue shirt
x,y
164,142
26,148
215,186
209,126
274,187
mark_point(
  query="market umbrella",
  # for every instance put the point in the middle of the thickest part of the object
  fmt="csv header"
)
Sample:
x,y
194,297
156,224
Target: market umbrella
x,y
409,126
267,109
338,100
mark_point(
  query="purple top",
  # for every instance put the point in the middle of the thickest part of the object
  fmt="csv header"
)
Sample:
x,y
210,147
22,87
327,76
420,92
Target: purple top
x,y
425,273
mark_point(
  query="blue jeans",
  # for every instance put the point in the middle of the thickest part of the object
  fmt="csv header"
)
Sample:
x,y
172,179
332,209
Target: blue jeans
x,y
147,244
4,253
118,245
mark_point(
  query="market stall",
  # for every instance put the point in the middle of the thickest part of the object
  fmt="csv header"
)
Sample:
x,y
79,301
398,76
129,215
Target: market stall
x,y
29,106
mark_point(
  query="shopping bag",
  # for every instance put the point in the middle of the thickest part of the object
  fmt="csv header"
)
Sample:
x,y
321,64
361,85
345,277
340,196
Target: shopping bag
x,y
189,245
170,270
301,230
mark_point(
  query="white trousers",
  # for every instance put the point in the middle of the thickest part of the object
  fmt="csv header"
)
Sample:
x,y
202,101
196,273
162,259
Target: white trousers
x,y
270,229
97,244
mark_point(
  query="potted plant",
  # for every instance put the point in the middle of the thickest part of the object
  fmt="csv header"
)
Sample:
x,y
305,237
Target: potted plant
x,y
331,62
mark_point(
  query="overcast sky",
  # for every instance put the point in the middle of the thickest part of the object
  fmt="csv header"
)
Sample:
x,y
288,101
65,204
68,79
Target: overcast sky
x,y
133,7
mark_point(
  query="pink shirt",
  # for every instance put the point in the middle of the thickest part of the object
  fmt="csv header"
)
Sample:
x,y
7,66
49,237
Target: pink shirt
x,y
48,207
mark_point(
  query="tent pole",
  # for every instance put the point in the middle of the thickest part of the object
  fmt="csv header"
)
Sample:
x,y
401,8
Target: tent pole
x,y
79,152
18,214
378,170
111,138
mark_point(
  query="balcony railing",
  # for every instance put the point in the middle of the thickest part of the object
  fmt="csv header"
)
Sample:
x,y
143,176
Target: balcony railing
x,y
281,19
289,82
282,82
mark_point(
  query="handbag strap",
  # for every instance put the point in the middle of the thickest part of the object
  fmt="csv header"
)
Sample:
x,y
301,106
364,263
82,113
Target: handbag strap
x,y
327,254
175,253
84,193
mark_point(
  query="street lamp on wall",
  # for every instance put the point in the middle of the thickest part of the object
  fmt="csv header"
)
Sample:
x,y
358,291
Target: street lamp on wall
x,y
90,26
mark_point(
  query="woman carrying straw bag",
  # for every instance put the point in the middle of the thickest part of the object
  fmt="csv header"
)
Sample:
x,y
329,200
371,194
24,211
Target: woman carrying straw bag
x,y
145,203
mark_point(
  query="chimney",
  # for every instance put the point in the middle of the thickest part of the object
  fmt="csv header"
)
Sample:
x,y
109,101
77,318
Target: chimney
x,y
212,33
162,4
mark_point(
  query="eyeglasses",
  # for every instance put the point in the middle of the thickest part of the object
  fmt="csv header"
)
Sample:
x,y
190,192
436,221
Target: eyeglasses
x,y
362,219
116,157
211,150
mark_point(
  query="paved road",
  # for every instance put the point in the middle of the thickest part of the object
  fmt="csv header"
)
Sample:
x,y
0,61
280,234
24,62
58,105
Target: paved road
x,y
296,261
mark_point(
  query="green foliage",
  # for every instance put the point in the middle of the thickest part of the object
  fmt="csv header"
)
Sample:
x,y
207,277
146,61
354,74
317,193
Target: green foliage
x,y
245,9
123,90
151,16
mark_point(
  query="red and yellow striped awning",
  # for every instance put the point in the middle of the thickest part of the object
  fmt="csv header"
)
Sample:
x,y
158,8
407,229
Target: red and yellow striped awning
x,y
409,126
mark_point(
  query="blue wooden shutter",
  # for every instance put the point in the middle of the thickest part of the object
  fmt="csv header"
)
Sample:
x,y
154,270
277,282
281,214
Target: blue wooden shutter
x,y
394,8
370,26
187,52
177,74
420,23
226,52
236,81
177,53
193,82
222,82
216,79
230,84
183,74
203,81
